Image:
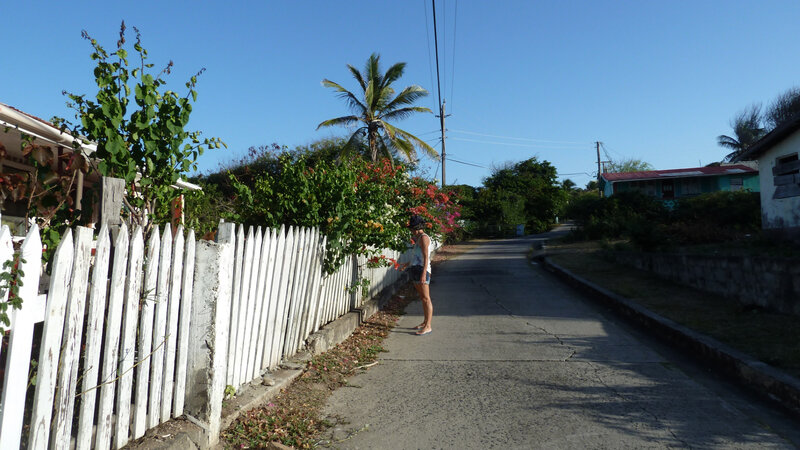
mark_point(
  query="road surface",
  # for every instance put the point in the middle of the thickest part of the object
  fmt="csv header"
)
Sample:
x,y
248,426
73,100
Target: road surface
x,y
518,360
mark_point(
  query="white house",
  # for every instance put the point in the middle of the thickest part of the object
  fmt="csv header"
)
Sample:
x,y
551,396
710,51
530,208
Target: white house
x,y
779,169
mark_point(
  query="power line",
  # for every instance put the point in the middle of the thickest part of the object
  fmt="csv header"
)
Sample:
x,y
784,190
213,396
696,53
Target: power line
x,y
428,132
466,163
453,66
520,145
436,49
444,43
518,139
428,42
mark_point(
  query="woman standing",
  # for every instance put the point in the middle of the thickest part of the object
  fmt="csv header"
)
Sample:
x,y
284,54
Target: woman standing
x,y
421,271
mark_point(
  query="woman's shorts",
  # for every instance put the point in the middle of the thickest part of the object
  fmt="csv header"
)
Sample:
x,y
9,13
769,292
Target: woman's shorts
x,y
415,272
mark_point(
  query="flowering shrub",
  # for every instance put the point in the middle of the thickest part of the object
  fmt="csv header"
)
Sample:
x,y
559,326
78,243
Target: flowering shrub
x,y
362,207
438,208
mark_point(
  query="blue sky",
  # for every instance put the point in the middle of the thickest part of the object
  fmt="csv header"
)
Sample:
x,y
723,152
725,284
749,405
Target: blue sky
x,y
653,80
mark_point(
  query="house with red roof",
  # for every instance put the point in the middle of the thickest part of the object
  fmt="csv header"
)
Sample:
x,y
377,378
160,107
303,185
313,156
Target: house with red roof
x,y
779,166
673,184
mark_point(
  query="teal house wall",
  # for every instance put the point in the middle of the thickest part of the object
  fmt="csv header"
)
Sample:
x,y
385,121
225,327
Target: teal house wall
x,y
669,185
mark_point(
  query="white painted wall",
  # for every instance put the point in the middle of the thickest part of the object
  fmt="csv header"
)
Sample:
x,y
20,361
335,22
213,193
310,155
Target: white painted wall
x,y
783,212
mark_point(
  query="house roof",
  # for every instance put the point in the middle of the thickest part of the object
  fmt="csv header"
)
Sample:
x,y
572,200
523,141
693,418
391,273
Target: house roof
x,y
770,140
679,173
39,128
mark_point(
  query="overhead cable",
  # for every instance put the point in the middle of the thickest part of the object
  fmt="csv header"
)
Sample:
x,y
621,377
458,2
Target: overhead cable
x,y
517,138
428,43
466,163
453,65
572,147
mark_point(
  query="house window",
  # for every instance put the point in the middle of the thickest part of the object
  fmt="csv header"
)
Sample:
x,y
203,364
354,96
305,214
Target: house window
x,y
736,184
786,176
667,189
691,187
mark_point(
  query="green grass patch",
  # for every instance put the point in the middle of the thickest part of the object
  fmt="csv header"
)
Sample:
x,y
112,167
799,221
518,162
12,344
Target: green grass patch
x,y
771,337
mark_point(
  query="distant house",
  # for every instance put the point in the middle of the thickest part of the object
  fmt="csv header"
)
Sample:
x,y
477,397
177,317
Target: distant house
x,y
669,185
777,155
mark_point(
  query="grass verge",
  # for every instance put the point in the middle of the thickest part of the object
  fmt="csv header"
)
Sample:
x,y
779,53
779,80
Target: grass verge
x,y
773,338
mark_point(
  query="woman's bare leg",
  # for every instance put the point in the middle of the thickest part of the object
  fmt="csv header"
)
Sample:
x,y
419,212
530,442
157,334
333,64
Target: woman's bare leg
x,y
427,307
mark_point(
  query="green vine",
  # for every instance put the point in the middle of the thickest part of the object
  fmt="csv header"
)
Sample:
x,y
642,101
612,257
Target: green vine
x,y
10,282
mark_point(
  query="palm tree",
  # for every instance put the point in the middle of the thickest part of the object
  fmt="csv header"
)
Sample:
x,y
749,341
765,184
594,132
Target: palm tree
x,y
747,130
376,107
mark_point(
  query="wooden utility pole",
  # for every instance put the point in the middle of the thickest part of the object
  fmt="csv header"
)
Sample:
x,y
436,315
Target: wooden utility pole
x,y
444,160
599,190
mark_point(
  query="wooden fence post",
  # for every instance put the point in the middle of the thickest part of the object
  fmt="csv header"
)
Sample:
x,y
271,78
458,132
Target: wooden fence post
x,y
208,340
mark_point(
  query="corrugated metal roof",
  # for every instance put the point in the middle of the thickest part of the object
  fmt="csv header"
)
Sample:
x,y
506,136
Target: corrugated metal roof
x,y
680,173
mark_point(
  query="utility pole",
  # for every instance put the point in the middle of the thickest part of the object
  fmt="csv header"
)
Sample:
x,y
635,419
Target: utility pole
x,y
599,190
441,119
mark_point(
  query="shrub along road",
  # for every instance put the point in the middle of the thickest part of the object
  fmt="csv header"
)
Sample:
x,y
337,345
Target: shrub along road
x,y
518,360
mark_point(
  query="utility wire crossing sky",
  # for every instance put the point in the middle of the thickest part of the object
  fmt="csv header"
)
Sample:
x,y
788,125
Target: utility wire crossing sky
x,y
656,81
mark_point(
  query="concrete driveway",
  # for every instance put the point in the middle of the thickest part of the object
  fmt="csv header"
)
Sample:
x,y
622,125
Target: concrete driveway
x,y
517,360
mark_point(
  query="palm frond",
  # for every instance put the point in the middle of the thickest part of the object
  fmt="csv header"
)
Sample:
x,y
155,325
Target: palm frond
x,y
405,149
386,150
352,101
353,144
728,142
384,98
403,113
370,97
344,120
407,96
373,69
357,75
413,139
394,73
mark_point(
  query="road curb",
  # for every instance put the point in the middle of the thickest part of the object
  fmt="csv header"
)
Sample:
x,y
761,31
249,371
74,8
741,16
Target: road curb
x,y
756,375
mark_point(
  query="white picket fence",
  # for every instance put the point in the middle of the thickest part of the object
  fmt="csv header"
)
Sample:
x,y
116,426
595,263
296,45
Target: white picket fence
x,y
112,359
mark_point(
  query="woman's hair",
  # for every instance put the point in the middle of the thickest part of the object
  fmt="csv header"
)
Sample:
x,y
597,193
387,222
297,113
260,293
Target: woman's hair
x,y
416,222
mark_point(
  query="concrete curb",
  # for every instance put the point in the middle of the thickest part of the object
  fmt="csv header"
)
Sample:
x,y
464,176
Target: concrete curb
x,y
756,375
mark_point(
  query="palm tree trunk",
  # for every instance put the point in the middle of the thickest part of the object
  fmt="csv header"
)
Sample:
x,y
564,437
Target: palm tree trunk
x,y
373,142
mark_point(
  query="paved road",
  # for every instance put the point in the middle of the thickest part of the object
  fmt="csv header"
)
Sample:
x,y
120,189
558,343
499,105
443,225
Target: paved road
x,y
518,360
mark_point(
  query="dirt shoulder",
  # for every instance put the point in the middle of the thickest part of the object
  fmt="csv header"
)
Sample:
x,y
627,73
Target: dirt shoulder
x,y
770,337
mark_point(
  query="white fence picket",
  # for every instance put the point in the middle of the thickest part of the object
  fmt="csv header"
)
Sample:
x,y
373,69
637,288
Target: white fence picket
x,y
159,329
50,350
183,325
244,310
94,334
290,286
297,281
235,305
321,285
268,269
283,296
280,258
173,310
19,345
256,301
127,364
145,344
68,376
307,288
116,302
